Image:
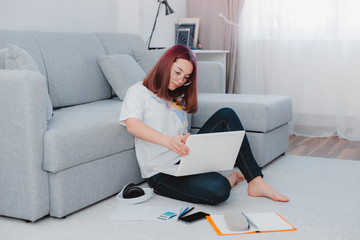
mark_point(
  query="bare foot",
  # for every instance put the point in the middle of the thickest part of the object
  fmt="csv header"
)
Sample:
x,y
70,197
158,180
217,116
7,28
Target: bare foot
x,y
234,178
259,188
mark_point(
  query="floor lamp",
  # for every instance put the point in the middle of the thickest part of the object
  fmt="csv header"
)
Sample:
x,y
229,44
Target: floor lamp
x,y
168,11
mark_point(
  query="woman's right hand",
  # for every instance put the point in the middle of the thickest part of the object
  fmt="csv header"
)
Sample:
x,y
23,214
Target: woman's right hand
x,y
178,145
139,129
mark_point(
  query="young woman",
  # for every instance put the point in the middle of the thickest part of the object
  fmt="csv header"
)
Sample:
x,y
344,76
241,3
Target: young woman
x,y
154,111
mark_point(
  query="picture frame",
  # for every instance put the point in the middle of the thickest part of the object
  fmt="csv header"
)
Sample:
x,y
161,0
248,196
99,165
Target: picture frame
x,y
190,27
190,23
183,37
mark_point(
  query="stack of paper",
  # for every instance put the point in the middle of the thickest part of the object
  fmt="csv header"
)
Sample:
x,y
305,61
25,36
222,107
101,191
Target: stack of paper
x,y
143,213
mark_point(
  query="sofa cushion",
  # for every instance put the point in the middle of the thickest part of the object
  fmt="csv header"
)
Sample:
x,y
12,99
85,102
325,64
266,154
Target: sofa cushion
x,y
147,58
26,41
258,113
121,43
2,58
210,77
74,76
17,58
84,133
121,71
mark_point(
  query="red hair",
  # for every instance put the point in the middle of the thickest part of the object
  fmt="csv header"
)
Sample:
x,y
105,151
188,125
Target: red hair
x,y
158,79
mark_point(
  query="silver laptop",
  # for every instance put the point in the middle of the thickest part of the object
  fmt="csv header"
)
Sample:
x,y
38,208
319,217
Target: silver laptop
x,y
209,152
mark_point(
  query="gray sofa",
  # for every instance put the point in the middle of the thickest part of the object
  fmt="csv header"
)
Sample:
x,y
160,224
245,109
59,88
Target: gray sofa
x,y
57,164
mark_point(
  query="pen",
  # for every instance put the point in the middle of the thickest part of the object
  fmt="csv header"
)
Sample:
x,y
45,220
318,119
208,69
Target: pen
x,y
183,212
187,211
251,223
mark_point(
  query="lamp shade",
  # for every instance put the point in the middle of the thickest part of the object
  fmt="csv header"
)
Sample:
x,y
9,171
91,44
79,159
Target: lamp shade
x,y
168,9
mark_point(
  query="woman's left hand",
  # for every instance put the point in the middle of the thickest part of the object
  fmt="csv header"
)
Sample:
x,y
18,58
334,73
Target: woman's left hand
x,y
178,145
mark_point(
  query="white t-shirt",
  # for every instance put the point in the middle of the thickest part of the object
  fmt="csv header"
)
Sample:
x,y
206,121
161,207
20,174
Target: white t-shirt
x,y
161,115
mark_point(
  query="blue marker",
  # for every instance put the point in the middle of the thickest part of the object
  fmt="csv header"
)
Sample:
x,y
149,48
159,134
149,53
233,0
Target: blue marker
x,y
188,211
183,212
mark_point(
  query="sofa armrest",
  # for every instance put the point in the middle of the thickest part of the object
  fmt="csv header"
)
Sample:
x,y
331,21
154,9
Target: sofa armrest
x,y
211,77
24,189
258,113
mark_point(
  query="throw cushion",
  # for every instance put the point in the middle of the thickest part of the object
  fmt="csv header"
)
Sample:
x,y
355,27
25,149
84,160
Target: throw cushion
x,y
2,58
147,58
17,58
121,71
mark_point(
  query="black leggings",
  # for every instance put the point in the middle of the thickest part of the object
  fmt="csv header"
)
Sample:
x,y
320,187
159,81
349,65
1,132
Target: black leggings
x,y
209,188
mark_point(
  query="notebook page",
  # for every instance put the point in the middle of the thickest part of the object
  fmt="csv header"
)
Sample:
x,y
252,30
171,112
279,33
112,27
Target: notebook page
x,y
268,221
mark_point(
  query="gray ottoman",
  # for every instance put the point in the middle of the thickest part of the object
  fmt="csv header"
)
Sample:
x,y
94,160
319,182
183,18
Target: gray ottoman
x,y
265,118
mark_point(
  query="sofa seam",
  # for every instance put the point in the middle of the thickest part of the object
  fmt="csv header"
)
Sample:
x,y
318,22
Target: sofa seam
x,y
101,42
43,59
51,171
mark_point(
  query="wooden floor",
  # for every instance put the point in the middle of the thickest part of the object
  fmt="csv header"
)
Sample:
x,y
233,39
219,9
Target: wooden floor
x,y
332,147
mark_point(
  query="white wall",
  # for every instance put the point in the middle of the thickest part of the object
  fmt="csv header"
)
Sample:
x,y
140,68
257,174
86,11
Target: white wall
x,y
59,15
130,16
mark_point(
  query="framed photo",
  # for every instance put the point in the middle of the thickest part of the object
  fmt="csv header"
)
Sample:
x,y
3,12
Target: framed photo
x,y
191,23
187,27
183,37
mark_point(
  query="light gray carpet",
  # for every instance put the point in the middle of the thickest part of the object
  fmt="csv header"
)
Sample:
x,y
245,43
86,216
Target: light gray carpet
x,y
324,204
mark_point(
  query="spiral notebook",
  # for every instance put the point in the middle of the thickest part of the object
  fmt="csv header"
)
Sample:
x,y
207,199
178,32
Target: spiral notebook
x,y
259,223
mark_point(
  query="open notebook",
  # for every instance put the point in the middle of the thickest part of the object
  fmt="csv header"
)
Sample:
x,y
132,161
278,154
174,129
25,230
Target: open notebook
x,y
208,152
259,223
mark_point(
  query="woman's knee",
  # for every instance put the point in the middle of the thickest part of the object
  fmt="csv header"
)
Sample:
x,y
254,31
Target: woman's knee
x,y
232,121
218,189
226,111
